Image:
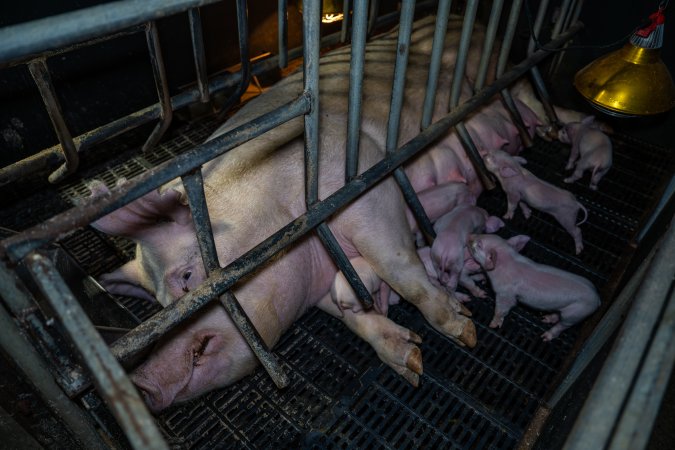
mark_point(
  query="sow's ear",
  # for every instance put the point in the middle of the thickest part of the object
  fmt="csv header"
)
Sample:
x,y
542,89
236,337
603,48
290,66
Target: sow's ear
x,y
518,242
135,219
126,281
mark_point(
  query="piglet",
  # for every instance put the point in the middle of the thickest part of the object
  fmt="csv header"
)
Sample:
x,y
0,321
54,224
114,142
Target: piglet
x,y
591,146
452,231
523,188
515,277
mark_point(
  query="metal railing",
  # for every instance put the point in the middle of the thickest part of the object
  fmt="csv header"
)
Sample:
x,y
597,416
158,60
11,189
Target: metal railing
x,y
105,363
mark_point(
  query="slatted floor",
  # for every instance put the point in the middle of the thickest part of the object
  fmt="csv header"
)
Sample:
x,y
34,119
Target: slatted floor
x,y
340,395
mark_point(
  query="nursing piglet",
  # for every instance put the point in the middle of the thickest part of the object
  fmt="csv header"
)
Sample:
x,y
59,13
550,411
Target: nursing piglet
x,y
452,232
517,278
591,146
523,188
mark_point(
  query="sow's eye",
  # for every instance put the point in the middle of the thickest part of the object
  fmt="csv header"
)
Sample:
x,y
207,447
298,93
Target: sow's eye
x,y
199,351
186,276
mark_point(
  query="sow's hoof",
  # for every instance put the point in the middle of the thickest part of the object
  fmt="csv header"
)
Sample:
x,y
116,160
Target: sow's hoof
x,y
468,336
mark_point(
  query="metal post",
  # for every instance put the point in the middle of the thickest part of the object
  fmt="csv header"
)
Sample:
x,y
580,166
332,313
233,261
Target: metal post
x,y
435,64
159,72
346,18
311,18
245,80
198,52
372,16
40,72
282,30
488,44
109,376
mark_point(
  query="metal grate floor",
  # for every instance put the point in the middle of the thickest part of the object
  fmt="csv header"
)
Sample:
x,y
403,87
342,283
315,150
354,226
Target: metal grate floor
x,y
341,395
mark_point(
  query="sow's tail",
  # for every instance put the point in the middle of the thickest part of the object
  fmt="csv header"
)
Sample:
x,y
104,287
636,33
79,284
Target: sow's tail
x,y
585,214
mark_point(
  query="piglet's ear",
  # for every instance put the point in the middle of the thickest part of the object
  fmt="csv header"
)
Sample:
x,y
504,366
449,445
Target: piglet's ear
x,y
518,242
588,120
126,281
490,259
507,172
522,161
493,223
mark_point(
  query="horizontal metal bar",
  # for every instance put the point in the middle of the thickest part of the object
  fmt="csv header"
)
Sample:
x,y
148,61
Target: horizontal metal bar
x,y
602,409
34,368
17,41
109,376
151,330
17,247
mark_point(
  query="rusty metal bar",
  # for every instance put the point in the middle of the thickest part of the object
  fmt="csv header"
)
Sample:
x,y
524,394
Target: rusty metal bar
x,y
311,26
109,376
282,30
223,279
456,89
356,67
34,368
162,86
199,54
245,80
40,73
194,187
435,65
16,247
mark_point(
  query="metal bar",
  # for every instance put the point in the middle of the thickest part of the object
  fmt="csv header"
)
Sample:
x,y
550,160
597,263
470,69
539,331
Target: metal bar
x,y
199,54
20,303
538,22
344,265
282,30
562,17
509,33
346,18
311,25
355,87
16,247
372,15
488,43
254,340
109,376
61,30
194,187
40,74
456,89
573,16
516,118
162,86
223,279
601,412
435,63
245,80
634,428
28,361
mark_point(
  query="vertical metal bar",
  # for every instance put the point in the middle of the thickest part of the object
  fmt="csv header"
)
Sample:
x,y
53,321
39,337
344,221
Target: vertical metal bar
x,y
159,72
488,43
244,81
344,264
516,118
34,368
562,18
282,29
456,89
435,65
397,96
311,17
372,15
356,87
572,16
199,54
346,18
194,187
40,73
109,376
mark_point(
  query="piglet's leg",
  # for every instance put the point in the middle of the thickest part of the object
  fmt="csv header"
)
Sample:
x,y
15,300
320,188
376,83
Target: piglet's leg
x,y
527,212
394,344
467,282
503,305
566,217
512,199
574,154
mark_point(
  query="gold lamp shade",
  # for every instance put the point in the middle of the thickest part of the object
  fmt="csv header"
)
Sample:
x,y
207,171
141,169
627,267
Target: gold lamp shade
x,y
632,81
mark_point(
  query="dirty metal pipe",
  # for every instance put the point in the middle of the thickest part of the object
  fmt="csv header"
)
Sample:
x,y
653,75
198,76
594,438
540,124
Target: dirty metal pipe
x,y
282,32
61,30
394,120
223,279
456,89
346,18
311,18
435,64
356,66
199,54
162,86
611,394
488,43
34,368
40,73
109,376
16,247
245,80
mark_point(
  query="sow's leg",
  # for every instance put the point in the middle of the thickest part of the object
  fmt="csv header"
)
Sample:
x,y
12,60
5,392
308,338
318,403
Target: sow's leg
x,y
377,227
394,344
